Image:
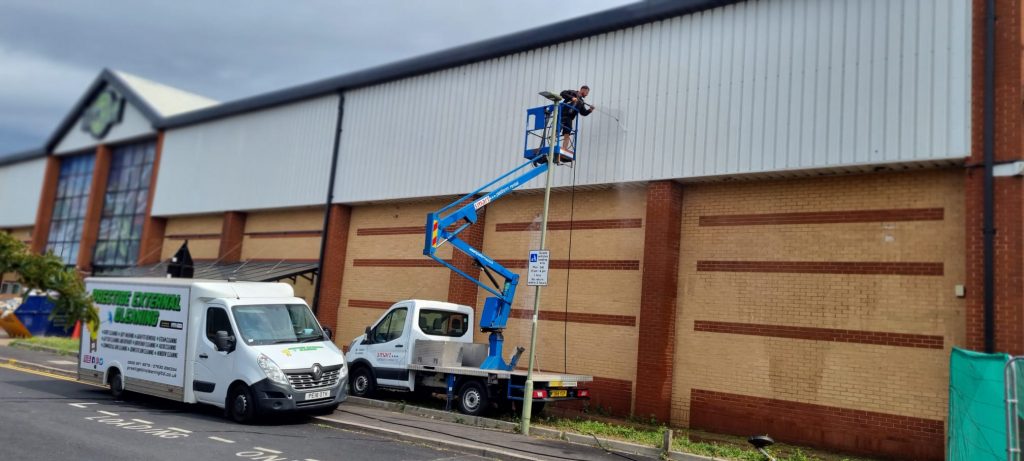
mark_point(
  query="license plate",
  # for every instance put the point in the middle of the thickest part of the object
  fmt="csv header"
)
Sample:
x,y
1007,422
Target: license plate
x,y
559,393
317,395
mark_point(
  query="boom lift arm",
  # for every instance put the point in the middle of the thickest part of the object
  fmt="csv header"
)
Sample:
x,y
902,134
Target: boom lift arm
x,y
445,225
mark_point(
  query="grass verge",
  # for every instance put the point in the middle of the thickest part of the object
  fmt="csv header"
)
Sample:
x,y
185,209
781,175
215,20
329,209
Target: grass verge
x,y
686,441
68,346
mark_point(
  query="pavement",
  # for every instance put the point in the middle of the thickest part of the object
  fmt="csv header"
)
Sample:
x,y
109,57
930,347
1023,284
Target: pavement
x,y
432,435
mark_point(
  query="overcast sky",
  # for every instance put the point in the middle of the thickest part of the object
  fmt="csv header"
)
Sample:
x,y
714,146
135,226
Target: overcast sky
x,y
51,50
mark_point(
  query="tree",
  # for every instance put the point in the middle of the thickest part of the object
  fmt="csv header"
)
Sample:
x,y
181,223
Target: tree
x,y
48,274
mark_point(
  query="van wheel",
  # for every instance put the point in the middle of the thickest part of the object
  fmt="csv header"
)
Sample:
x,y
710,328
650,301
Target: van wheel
x,y
116,384
241,406
473,399
362,382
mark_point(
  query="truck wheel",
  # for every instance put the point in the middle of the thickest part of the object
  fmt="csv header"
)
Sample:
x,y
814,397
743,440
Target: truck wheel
x,y
473,399
116,384
241,406
362,382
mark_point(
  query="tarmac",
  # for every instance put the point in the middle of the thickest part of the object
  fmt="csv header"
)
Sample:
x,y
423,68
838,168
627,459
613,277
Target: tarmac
x,y
476,436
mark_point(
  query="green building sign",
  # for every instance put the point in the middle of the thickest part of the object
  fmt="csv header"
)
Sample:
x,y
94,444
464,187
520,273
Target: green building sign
x,y
104,112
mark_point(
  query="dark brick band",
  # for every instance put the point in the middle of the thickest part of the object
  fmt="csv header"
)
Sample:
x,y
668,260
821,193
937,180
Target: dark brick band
x,y
824,267
390,230
592,264
283,234
585,224
825,217
576,317
419,262
822,334
192,236
855,431
369,304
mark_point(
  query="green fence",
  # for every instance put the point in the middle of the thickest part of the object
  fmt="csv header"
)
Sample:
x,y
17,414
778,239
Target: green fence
x,y
977,428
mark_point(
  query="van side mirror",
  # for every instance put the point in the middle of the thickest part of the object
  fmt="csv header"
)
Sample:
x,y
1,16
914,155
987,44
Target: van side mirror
x,y
368,339
328,333
225,342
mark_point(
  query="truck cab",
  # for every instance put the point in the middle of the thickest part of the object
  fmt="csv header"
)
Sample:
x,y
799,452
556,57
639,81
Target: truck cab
x,y
386,349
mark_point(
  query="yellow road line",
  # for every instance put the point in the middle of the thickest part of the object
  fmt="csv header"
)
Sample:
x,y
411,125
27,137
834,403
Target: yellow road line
x,y
12,365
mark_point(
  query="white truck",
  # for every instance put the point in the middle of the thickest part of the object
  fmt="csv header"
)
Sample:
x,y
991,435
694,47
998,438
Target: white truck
x,y
427,346
249,348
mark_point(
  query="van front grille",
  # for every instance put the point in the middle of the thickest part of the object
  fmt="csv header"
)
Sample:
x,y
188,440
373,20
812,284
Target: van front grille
x,y
305,380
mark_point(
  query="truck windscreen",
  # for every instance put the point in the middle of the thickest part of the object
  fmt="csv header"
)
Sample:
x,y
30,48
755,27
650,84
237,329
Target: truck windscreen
x,y
276,324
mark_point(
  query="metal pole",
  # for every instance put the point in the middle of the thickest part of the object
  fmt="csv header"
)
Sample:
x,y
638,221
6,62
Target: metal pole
x,y
528,391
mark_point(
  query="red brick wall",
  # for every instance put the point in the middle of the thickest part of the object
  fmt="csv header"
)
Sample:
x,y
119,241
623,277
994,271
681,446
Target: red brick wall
x,y
460,290
656,341
93,211
44,214
336,248
153,229
231,236
1009,194
857,431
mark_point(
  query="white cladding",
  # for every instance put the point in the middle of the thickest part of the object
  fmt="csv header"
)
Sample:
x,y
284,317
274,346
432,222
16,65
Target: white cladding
x,y
754,87
273,158
20,186
133,125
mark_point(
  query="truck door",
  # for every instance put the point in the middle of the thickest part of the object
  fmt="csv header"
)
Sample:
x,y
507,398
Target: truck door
x,y
213,369
387,348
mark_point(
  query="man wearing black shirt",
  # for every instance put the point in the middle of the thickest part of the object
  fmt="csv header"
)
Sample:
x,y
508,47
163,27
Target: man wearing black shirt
x,y
573,99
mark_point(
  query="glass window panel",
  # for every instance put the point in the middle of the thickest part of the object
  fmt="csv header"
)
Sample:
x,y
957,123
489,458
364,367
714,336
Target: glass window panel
x,y
140,202
72,254
133,252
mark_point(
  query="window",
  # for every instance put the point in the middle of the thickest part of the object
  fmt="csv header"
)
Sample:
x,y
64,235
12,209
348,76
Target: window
x,y
443,323
69,207
124,206
391,326
216,320
10,288
276,324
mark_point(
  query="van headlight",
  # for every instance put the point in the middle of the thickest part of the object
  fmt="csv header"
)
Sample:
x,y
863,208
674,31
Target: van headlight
x,y
271,369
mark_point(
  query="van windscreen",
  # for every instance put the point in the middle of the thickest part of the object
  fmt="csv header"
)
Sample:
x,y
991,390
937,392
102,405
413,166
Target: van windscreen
x,y
276,324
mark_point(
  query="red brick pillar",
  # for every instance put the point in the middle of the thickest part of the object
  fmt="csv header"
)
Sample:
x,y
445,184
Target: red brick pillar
x,y
1009,191
333,274
231,234
44,214
153,228
460,290
94,208
660,279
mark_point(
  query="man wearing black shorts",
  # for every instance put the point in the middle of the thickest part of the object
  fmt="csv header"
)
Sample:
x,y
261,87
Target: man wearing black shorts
x,y
573,99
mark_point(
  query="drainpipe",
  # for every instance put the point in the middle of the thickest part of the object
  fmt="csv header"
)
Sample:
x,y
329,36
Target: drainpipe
x,y
327,204
988,135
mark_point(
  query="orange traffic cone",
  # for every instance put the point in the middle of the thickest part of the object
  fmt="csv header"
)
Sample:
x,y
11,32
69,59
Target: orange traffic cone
x,y
77,332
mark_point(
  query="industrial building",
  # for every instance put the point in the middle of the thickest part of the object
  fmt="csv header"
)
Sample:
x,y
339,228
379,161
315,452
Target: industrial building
x,y
776,223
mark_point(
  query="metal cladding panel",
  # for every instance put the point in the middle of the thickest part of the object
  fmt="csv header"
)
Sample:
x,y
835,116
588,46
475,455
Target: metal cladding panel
x,y
132,125
20,186
274,158
754,87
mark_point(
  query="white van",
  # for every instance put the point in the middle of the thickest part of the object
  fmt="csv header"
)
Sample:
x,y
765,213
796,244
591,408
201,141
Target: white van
x,y
249,348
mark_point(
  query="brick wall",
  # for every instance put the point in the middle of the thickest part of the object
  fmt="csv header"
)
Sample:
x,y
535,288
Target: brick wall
x,y
202,233
1009,192
333,275
94,209
460,290
44,214
656,343
231,236
283,234
152,240
793,317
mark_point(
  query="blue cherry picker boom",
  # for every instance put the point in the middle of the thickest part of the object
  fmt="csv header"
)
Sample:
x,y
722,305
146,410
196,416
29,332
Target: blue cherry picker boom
x,y
440,353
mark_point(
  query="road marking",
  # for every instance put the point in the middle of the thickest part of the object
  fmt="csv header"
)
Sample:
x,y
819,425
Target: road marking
x,y
267,450
12,365
60,362
107,413
221,440
82,404
179,429
142,421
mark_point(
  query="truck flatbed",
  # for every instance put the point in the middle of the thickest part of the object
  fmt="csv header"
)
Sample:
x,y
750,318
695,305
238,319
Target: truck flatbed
x,y
502,374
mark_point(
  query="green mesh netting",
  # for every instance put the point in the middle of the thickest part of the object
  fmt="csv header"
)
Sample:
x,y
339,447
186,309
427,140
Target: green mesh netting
x,y
977,407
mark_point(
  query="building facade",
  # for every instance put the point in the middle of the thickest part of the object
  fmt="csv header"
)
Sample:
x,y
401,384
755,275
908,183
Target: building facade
x,y
776,222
